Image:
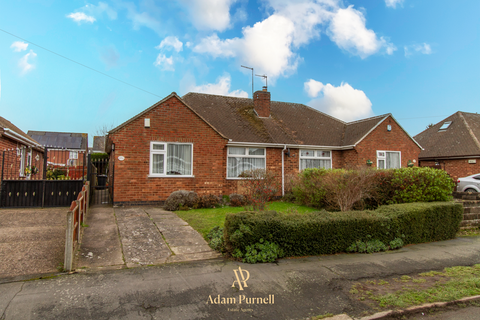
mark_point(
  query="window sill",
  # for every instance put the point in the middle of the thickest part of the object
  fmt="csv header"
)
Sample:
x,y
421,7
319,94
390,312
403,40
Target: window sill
x,y
169,176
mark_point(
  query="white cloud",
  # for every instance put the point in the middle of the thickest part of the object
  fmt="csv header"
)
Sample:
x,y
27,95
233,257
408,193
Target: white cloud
x,y
424,48
80,17
209,14
171,42
24,62
18,46
141,19
349,32
313,88
164,63
222,87
343,102
270,46
393,3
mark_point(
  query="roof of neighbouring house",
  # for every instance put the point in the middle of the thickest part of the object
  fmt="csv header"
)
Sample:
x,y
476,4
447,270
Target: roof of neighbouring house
x,y
5,124
290,123
456,136
67,140
98,144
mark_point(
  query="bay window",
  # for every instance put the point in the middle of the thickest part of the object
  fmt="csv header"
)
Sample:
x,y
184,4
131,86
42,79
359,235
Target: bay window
x,y
241,159
388,159
315,159
171,159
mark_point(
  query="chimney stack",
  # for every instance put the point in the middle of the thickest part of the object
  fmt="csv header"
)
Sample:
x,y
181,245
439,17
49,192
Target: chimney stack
x,y
261,101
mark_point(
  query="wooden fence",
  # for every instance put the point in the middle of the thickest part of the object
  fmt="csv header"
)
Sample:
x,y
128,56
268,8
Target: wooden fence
x,y
75,217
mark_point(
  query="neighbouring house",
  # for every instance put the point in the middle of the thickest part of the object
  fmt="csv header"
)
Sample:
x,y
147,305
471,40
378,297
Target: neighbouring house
x,y
452,144
21,157
98,145
204,143
67,151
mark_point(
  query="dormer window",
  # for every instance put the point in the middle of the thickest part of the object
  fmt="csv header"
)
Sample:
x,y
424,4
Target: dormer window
x,y
445,125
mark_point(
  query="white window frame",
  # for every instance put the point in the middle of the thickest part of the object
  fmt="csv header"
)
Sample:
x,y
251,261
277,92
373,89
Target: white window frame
x,y
246,155
73,155
384,157
22,161
314,157
164,152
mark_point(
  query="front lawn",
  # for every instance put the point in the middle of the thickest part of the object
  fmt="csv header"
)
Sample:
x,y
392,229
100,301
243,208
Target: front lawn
x,y
203,220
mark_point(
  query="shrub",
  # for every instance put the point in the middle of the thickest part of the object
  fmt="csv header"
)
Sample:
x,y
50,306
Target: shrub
x,y
262,251
396,243
345,188
180,198
369,246
332,232
260,186
215,239
207,201
308,187
99,156
237,200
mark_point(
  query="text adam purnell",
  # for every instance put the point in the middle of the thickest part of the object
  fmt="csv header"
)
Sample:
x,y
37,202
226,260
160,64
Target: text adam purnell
x,y
241,299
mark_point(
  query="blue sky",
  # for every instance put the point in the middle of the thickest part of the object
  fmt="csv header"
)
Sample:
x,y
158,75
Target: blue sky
x,y
418,60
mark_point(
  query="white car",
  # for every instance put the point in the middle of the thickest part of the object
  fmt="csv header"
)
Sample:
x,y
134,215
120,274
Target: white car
x,y
469,184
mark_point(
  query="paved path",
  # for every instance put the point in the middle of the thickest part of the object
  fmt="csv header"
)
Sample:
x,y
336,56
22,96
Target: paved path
x,y
302,287
138,236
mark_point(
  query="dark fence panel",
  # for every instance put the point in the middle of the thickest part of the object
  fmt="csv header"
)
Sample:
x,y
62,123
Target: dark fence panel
x,y
61,193
101,181
21,193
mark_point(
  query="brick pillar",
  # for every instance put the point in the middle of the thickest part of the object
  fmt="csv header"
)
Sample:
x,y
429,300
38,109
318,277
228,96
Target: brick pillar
x,y
261,101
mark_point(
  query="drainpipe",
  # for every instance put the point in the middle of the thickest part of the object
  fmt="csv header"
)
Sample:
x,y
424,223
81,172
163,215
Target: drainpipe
x,y
283,170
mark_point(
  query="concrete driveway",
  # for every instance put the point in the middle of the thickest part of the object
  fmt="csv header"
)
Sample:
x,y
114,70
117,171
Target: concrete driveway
x,y
32,241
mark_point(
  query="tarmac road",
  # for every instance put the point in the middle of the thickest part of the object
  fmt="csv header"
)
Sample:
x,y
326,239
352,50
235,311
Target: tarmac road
x,y
290,289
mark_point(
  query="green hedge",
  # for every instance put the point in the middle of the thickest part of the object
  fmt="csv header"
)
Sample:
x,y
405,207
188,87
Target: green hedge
x,y
326,232
99,156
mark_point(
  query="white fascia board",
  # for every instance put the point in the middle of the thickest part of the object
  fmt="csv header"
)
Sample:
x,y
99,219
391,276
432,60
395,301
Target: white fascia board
x,y
293,146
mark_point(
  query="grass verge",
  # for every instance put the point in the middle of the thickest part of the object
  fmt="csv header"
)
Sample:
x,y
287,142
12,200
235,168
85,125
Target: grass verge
x,y
434,286
203,220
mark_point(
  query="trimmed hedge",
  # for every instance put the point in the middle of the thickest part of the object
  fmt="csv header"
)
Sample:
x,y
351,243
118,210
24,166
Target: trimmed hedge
x,y
332,232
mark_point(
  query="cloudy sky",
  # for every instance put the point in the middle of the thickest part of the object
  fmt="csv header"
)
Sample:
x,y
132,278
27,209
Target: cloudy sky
x,y
76,66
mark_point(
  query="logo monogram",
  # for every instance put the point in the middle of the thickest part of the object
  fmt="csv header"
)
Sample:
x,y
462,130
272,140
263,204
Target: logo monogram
x,y
244,279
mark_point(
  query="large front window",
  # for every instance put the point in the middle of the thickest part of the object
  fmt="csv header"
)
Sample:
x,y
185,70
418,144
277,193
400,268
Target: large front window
x,y
171,159
240,160
315,159
388,159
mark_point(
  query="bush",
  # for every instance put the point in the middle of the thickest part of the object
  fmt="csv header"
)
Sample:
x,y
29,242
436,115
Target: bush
x,y
237,200
396,243
215,239
207,201
260,186
99,156
180,198
332,232
341,189
308,187
369,246
262,251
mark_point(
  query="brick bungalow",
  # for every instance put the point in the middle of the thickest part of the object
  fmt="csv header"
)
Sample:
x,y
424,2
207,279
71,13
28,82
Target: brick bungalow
x,y
453,145
204,142
18,152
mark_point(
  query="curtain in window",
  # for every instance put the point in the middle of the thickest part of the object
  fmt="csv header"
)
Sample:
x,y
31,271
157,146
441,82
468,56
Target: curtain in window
x,y
179,159
157,165
315,163
237,165
393,160
235,150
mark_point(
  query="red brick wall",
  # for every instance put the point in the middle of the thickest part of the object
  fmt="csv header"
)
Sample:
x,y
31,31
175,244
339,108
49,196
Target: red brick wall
x,y
11,165
171,121
456,168
381,139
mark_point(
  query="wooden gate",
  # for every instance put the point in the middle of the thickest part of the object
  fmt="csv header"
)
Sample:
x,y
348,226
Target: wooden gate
x,y
41,178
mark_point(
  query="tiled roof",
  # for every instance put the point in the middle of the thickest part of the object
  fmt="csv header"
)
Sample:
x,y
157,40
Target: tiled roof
x,y
68,140
98,143
460,139
5,124
290,123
